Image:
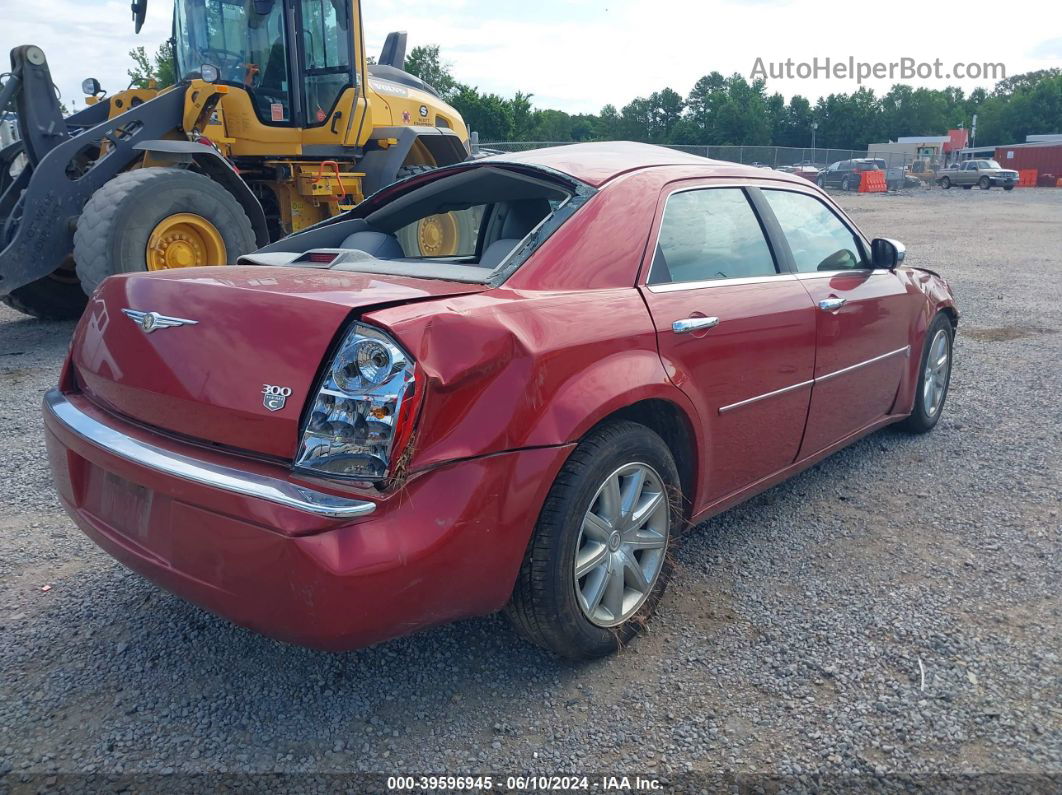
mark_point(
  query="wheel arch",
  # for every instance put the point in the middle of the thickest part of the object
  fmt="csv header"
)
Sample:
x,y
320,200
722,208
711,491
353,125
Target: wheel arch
x,y
209,162
671,422
382,164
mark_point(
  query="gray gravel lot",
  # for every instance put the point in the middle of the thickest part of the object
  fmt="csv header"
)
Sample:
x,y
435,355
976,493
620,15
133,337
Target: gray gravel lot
x,y
791,641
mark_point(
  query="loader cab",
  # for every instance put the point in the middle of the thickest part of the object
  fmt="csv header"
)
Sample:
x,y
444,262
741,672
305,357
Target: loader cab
x,y
294,58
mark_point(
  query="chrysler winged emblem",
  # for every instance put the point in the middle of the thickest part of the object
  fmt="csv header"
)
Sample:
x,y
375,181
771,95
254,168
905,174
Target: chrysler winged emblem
x,y
153,321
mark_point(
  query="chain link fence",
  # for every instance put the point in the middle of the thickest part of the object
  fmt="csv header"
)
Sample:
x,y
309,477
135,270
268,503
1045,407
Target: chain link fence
x,y
827,166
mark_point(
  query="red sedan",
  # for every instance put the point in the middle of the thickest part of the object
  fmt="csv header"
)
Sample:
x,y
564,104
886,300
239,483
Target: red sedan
x,y
343,440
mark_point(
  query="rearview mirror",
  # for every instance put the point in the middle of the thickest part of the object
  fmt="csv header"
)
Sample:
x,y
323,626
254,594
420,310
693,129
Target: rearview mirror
x,y
139,12
887,253
263,7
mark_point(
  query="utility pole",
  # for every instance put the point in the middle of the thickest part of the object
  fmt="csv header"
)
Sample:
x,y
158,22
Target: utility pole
x,y
814,129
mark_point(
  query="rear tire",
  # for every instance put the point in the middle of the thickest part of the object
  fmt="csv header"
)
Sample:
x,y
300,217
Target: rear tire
x,y
551,604
846,185
929,401
945,183
114,228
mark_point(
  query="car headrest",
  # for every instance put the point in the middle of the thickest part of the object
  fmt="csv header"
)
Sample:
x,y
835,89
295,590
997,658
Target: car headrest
x,y
522,216
378,244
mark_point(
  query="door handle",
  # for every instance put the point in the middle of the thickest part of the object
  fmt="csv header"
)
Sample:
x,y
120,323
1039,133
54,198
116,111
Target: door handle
x,y
694,324
832,304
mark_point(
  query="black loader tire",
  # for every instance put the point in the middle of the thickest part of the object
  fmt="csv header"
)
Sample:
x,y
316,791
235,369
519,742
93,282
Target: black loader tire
x,y
544,607
48,298
114,228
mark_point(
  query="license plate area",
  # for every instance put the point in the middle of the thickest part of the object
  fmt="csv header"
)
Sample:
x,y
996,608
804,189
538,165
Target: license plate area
x,y
122,505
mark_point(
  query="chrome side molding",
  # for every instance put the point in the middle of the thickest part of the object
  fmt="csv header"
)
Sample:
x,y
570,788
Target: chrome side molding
x,y
205,473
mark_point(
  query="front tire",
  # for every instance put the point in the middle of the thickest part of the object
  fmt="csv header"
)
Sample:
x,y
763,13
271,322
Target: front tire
x,y
598,561
934,377
845,184
1008,187
162,218
984,183
57,296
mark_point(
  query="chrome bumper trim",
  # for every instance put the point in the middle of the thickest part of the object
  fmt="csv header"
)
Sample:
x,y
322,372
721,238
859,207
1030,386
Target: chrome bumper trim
x,y
204,473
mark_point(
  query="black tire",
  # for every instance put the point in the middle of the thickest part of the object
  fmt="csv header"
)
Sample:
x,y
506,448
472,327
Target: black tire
x,y
1008,187
52,297
114,228
544,606
984,183
945,183
820,182
921,419
845,184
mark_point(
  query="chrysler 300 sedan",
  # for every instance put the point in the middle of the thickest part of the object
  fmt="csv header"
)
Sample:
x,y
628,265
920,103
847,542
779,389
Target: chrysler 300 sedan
x,y
341,440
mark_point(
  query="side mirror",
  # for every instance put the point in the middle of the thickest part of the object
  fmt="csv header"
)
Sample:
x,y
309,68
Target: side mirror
x,y
887,253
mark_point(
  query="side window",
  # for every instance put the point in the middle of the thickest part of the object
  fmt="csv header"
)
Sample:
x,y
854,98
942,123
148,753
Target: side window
x,y
326,41
818,239
710,234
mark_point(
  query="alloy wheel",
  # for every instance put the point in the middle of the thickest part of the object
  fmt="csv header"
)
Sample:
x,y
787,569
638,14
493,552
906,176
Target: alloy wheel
x,y
622,544
935,378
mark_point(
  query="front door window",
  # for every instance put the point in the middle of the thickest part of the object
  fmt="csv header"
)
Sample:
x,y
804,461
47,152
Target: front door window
x,y
326,56
245,42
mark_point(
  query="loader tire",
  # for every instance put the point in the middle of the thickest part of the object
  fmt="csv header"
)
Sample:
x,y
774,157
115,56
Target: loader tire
x,y
121,217
444,235
49,298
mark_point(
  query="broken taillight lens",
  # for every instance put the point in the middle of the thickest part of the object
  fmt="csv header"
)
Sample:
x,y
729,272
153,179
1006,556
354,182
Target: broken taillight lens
x,y
360,408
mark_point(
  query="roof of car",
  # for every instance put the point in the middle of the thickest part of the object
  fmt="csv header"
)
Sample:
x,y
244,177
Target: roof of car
x,y
597,163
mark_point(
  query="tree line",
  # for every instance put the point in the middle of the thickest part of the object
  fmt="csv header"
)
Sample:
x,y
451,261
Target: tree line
x,y
732,110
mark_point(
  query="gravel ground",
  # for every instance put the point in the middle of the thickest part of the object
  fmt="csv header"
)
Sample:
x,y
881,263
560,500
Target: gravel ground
x,y
792,641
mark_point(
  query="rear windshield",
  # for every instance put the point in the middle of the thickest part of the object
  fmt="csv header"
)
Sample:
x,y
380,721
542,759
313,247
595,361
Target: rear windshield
x,y
474,225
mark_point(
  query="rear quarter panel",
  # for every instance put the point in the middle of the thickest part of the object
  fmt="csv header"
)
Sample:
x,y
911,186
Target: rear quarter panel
x,y
507,370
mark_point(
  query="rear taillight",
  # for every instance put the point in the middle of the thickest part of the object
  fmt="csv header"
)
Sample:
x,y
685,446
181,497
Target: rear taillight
x,y
362,411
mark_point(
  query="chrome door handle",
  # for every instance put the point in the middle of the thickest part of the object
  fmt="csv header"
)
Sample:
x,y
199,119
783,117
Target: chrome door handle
x,y
832,304
694,324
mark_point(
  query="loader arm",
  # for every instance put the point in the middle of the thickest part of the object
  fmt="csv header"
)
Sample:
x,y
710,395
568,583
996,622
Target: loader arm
x,y
39,209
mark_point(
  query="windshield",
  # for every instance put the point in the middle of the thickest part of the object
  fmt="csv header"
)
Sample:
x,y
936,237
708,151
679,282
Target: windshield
x,y
247,47
992,164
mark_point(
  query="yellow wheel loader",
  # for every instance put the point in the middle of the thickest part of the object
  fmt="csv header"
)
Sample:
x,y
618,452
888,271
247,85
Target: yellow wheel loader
x,y
277,122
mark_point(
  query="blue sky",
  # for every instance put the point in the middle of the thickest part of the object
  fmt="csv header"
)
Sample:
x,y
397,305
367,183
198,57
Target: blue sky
x,y
578,56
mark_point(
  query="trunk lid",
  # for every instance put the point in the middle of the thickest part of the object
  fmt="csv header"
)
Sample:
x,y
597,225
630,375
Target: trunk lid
x,y
252,328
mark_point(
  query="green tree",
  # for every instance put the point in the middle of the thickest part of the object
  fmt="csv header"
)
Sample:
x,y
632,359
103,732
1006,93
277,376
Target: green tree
x,y
160,68
488,114
425,62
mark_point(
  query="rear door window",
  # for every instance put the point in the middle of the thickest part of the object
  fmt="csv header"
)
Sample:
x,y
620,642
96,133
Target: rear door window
x,y
710,234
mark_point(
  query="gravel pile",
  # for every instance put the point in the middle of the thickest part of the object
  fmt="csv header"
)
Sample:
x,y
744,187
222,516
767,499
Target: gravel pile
x,y
894,610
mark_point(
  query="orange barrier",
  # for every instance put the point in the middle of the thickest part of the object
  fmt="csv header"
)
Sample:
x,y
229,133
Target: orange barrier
x,y
872,182
1027,178
1058,184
